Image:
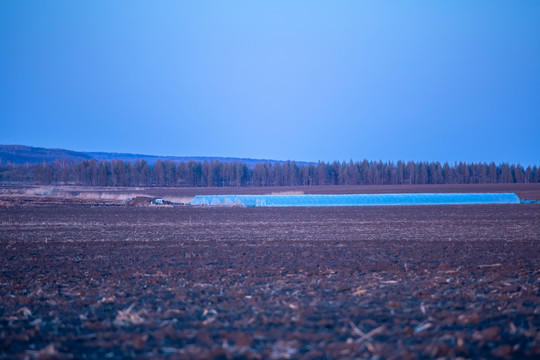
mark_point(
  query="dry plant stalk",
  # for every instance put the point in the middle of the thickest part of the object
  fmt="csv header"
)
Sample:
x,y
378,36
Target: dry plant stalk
x,y
126,317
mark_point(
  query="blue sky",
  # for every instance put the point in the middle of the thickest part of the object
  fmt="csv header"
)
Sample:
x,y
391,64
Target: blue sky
x,y
300,80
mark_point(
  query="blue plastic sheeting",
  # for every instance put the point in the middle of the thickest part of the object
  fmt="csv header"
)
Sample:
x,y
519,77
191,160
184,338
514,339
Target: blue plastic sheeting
x,y
354,199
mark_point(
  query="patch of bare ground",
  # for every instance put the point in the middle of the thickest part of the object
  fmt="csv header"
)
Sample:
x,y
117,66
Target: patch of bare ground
x,y
117,195
85,281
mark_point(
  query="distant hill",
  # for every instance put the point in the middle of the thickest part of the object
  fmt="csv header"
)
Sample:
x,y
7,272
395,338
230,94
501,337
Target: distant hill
x,y
20,154
151,159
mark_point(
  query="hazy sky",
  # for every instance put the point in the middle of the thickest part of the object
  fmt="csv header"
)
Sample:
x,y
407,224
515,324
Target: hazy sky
x,y
302,80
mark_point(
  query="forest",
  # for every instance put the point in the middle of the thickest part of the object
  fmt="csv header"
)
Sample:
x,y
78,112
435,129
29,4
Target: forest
x,y
289,173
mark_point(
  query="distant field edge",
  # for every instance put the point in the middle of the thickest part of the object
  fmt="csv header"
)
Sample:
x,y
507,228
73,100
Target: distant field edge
x,y
355,199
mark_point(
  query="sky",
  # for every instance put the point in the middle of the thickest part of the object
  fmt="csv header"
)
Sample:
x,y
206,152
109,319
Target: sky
x,y
284,80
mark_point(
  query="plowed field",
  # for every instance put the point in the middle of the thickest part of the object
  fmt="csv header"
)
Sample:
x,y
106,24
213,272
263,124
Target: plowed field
x,y
84,281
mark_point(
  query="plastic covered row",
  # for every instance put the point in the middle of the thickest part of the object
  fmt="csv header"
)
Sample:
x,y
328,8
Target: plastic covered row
x,y
356,199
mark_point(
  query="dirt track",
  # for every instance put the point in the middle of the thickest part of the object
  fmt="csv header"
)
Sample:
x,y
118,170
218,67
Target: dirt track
x,y
394,282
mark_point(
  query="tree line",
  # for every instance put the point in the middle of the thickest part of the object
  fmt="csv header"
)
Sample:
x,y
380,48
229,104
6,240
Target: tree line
x,y
289,173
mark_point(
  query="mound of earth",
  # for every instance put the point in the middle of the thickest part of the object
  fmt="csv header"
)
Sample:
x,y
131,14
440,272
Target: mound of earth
x,y
146,201
139,201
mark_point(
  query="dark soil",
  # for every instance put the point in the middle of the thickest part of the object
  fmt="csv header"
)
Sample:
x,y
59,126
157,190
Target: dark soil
x,y
84,281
